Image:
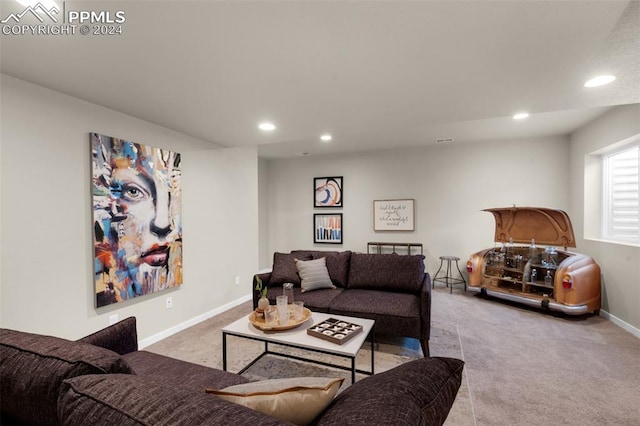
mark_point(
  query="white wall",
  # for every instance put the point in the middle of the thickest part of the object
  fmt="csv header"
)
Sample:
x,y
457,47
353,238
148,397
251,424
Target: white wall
x,y
46,276
620,264
221,218
450,183
263,198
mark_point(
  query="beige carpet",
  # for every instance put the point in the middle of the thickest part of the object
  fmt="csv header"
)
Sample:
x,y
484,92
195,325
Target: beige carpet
x,y
523,367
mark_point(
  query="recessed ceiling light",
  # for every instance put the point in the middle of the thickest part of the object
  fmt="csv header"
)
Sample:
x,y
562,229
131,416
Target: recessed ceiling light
x,y
266,126
600,80
521,116
325,138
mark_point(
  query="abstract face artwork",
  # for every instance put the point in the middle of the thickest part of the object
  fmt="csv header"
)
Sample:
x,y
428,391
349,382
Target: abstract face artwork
x,y
137,219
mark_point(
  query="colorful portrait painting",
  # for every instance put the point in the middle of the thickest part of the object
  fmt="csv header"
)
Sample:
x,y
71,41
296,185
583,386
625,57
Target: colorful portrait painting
x,y
137,219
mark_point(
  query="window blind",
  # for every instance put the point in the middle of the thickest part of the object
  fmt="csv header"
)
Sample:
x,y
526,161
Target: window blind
x,y
622,195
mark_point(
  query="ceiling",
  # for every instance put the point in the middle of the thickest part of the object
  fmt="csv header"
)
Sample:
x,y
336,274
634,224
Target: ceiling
x,y
374,74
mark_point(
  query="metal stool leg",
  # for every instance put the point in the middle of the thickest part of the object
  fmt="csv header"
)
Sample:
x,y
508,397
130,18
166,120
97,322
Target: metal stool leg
x,y
433,281
461,276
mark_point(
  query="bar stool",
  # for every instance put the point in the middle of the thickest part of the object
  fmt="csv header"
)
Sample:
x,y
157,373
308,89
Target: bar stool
x,y
448,278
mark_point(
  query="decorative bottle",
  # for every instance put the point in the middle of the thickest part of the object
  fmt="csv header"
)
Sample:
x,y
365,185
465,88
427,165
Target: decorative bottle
x,y
532,249
287,290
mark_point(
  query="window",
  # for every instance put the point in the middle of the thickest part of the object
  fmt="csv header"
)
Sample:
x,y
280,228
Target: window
x,y
621,194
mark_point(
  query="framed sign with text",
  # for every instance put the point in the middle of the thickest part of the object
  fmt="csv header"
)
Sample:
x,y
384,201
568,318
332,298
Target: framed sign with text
x,y
394,215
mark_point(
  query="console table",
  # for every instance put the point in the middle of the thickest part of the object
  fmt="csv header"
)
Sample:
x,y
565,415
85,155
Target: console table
x,y
378,247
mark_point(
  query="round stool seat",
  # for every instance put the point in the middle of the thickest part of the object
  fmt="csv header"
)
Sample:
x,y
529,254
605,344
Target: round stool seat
x,y
456,258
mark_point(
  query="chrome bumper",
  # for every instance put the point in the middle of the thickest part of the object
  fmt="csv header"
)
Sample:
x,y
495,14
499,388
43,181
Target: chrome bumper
x,y
554,306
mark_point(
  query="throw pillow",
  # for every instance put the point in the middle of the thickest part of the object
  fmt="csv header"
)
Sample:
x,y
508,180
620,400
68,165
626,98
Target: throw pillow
x,y
337,265
298,400
314,274
284,269
121,337
33,366
418,392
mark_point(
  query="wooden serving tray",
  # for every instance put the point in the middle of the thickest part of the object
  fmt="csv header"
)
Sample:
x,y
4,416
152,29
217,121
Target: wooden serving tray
x,y
258,321
334,330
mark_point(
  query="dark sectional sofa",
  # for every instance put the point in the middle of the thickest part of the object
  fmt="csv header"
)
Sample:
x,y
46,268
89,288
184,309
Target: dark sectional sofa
x,y
103,379
394,290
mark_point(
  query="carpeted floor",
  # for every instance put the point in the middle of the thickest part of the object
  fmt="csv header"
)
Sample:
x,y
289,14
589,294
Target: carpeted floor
x,y
523,367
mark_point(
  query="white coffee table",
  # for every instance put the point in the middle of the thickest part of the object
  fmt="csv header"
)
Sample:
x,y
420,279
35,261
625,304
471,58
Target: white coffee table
x,y
298,338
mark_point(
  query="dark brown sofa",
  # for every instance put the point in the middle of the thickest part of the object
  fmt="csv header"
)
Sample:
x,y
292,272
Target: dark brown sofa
x,y
394,290
103,379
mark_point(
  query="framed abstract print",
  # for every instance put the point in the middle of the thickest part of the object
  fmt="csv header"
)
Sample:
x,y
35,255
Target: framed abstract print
x,y
327,228
327,191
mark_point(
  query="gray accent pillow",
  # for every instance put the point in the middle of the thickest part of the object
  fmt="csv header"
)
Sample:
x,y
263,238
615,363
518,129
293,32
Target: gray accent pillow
x,y
314,274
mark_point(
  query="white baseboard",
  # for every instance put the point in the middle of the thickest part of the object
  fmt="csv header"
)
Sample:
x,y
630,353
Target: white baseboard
x,y
190,323
196,320
617,321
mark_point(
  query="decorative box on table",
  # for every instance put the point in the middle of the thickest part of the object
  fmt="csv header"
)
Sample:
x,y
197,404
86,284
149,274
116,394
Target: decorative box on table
x,y
334,330
528,267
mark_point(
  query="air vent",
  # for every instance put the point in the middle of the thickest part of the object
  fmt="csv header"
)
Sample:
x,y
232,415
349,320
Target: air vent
x,y
445,140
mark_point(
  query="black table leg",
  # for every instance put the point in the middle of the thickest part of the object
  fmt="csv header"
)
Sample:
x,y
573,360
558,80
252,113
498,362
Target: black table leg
x,y
224,351
372,351
353,370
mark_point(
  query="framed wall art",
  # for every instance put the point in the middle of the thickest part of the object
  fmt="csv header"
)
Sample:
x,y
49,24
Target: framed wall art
x,y
394,215
327,228
137,219
327,191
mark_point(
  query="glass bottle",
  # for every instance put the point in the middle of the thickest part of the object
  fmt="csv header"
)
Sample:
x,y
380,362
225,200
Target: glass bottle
x,y
509,254
532,249
534,275
287,290
553,256
548,279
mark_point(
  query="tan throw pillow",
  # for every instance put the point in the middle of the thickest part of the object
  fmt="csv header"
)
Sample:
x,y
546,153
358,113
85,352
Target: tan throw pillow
x,y
298,400
314,274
